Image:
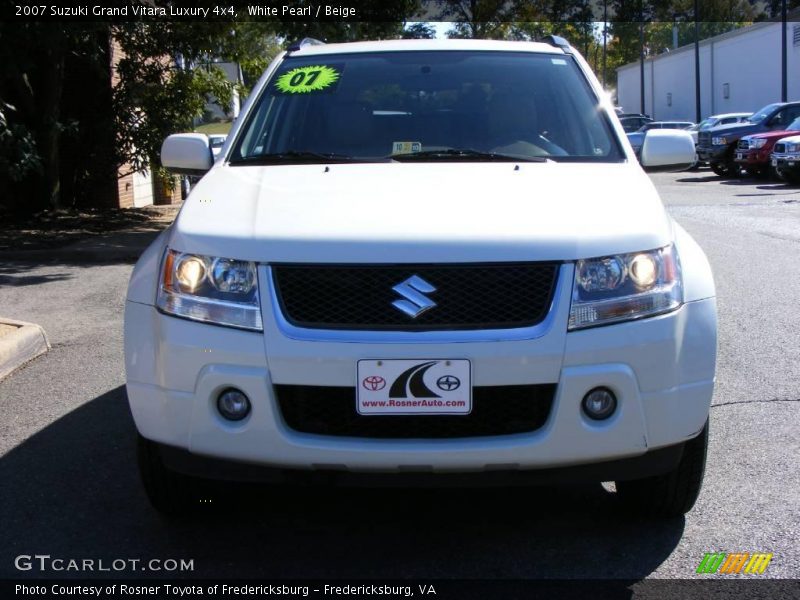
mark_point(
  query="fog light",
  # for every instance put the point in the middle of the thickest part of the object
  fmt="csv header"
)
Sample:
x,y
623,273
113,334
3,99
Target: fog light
x,y
599,404
233,405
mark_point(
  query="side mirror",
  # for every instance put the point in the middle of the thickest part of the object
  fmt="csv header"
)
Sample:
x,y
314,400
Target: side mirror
x,y
667,150
187,153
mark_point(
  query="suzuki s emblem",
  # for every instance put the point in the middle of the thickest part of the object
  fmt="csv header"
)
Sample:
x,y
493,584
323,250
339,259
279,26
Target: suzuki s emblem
x,y
415,301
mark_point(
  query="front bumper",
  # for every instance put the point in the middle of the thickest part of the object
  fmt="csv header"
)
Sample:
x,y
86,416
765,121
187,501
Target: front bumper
x,y
754,157
712,153
661,369
786,162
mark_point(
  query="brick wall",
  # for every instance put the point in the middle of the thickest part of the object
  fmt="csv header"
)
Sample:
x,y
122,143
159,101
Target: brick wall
x,y
125,191
125,195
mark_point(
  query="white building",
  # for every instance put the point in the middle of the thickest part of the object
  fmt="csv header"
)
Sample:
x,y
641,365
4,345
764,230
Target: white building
x,y
740,71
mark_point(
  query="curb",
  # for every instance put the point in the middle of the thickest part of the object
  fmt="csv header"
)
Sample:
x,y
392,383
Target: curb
x,y
21,346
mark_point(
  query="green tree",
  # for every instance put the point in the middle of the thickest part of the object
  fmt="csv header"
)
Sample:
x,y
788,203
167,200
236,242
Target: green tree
x,y
419,31
33,57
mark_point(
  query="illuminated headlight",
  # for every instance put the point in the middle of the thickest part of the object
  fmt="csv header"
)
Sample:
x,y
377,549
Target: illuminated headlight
x,y
756,142
215,290
719,141
612,289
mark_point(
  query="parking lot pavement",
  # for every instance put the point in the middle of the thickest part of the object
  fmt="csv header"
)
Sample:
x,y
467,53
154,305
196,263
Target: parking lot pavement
x,y
70,488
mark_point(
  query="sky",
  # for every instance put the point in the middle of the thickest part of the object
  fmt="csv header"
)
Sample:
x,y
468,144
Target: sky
x,y
441,28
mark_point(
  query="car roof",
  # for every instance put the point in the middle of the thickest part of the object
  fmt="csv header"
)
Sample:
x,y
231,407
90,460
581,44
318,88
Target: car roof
x,y
422,45
728,115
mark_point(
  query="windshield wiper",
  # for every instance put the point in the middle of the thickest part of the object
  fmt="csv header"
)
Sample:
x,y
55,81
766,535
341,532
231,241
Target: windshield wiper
x,y
298,156
466,154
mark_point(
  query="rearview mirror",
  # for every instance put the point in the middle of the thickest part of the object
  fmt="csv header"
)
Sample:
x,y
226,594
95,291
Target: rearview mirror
x,y
187,153
667,150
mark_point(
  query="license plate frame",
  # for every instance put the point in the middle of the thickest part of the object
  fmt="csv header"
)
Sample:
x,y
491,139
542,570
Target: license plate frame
x,y
414,387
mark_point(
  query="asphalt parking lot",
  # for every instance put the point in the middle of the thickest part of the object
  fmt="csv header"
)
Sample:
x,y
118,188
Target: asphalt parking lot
x,y
69,486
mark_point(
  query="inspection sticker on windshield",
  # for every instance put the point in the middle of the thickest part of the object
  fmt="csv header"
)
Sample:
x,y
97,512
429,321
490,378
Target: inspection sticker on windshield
x,y
303,80
406,147
414,387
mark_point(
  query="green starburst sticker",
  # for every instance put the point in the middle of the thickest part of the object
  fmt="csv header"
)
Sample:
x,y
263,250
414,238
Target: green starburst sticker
x,y
302,80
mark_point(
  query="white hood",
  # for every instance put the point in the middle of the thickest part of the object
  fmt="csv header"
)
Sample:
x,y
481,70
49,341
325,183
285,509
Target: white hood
x,y
424,212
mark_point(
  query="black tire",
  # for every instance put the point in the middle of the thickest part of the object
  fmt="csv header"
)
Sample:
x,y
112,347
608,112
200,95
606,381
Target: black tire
x,y
168,492
757,172
719,168
792,177
672,494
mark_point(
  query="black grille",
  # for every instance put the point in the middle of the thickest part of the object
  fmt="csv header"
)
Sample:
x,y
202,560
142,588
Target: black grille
x,y
780,148
703,139
743,145
496,410
491,296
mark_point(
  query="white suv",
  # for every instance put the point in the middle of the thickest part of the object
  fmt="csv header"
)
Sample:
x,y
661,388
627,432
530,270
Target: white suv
x,y
425,260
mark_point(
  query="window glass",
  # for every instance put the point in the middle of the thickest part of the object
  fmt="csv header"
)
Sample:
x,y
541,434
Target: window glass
x,y
383,106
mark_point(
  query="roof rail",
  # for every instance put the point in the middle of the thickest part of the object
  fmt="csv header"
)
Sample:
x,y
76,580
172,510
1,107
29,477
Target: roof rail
x,y
304,42
558,42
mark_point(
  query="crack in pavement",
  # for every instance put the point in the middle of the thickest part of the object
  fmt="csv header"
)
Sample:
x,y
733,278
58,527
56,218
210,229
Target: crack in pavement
x,y
756,401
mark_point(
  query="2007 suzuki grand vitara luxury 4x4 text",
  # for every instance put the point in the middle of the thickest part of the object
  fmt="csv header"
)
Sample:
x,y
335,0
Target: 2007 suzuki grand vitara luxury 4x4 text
x,y
437,259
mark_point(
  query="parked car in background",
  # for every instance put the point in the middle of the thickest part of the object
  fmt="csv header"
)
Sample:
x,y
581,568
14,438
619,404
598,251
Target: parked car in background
x,y
633,121
216,142
753,151
786,159
717,145
666,125
716,120
636,138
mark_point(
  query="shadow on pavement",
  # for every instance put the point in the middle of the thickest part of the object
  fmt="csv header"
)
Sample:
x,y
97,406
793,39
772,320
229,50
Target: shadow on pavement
x,y
16,275
72,491
702,179
118,247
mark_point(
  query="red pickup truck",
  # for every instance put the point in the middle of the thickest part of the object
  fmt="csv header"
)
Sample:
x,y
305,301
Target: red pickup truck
x,y
753,151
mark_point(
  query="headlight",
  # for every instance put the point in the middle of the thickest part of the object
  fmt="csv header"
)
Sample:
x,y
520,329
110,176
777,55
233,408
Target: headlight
x,y
618,288
719,141
756,143
222,291
792,147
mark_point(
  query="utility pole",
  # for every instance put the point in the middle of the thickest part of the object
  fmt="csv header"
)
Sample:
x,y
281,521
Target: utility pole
x,y
784,91
605,35
641,58
697,114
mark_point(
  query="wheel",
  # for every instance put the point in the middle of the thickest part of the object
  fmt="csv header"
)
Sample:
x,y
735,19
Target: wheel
x,y
757,172
671,494
719,168
168,492
792,176
728,167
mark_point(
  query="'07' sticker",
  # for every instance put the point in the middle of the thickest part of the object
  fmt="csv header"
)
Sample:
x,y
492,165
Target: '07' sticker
x,y
303,80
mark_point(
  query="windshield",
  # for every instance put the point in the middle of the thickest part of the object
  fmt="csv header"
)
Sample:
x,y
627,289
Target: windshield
x,y
425,106
762,114
794,125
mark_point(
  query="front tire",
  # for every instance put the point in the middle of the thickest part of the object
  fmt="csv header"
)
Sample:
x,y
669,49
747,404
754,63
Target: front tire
x,y
757,172
720,169
168,492
674,493
792,177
